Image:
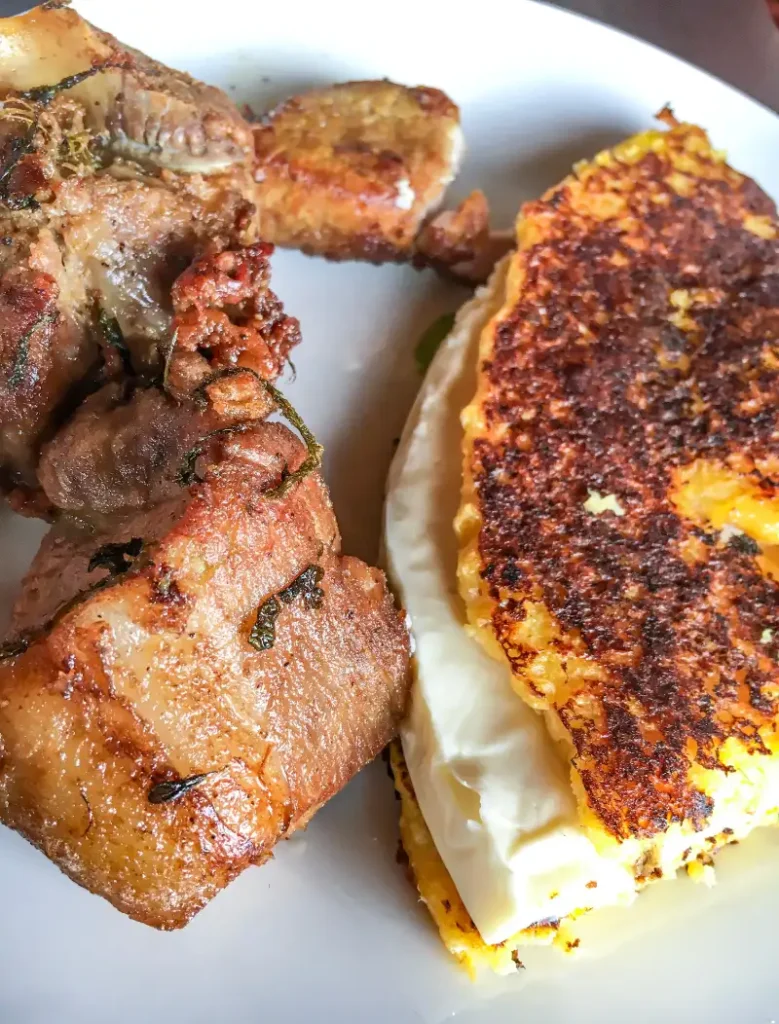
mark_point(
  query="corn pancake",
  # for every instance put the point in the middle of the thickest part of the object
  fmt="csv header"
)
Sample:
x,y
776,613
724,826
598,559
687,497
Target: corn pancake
x,y
619,525
492,814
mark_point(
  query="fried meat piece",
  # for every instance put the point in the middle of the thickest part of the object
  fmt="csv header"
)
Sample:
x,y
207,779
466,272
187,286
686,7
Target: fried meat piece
x,y
194,667
135,107
199,677
460,243
124,447
114,173
103,252
227,315
229,333
224,316
620,517
351,171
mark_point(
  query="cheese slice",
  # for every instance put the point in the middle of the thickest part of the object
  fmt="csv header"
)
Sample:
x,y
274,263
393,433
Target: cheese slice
x,y
492,784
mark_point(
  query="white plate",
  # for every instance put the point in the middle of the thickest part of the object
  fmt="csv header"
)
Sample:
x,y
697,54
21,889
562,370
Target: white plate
x,y
330,930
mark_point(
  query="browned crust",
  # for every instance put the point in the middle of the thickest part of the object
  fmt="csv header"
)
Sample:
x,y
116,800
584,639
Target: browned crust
x,y
146,108
582,388
41,358
226,315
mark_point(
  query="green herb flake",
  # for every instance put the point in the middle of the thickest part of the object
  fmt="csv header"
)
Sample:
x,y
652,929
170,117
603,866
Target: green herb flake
x,y
313,459
188,473
114,338
165,792
306,586
431,339
116,558
263,633
44,94
22,356
40,98
11,648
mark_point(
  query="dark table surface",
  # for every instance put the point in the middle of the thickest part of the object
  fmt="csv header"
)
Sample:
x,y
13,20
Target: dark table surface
x,y
733,39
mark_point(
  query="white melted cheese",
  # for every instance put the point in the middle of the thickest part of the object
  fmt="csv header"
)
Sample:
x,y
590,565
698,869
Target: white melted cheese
x,y
492,786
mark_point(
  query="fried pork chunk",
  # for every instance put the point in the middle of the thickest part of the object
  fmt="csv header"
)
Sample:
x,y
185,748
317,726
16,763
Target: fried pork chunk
x,y
225,316
620,517
460,243
195,679
114,173
121,447
194,667
124,447
351,171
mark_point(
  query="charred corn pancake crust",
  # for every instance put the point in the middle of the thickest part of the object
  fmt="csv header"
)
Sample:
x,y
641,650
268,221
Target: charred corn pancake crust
x,y
620,513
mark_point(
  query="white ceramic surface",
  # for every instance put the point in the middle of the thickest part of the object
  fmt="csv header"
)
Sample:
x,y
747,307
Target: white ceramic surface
x,y
330,930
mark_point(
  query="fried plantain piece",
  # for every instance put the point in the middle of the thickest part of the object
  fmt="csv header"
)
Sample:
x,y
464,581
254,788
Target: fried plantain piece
x,y
351,171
